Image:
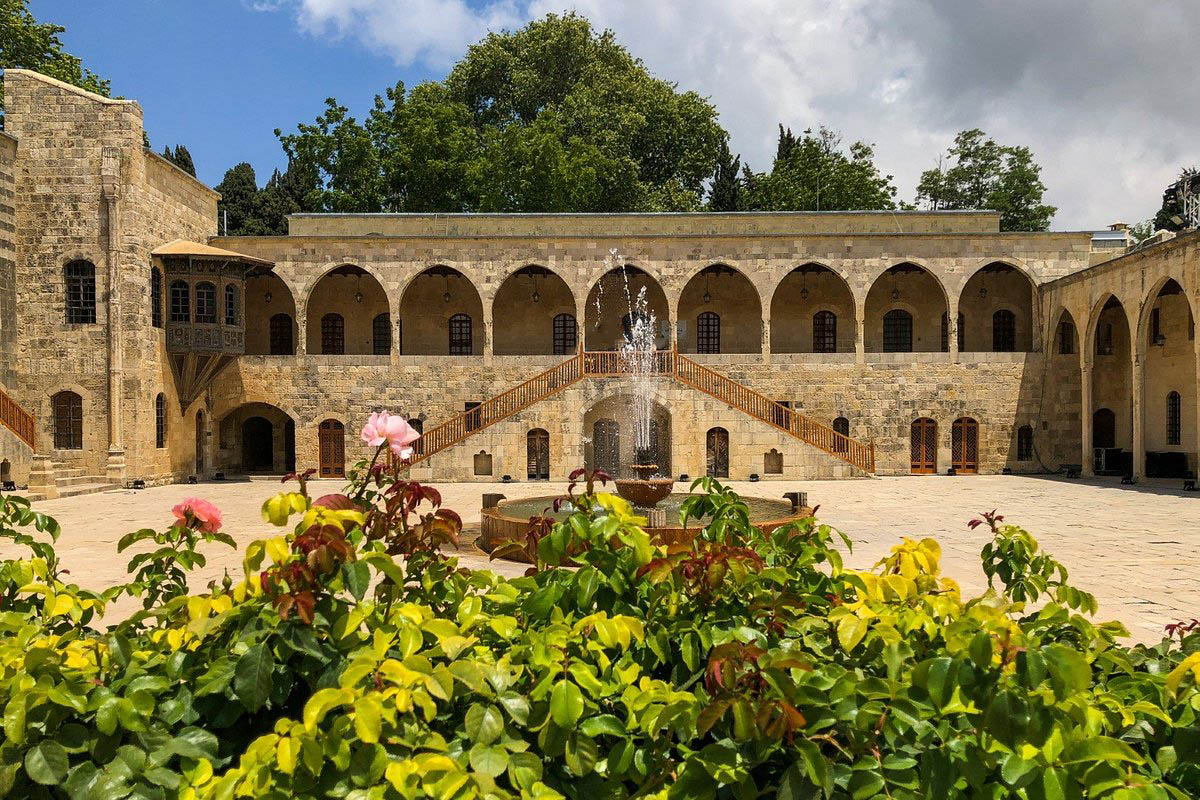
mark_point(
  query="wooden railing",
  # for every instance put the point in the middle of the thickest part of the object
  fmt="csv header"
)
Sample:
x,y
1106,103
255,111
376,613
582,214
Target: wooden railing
x,y
747,400
17,419
666,363
499,408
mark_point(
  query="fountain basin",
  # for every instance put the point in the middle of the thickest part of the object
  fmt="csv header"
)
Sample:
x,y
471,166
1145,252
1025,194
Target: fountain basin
x,y
509,520
644,492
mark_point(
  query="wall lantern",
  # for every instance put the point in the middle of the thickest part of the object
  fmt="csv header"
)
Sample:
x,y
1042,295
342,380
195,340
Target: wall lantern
x,y
895,294
983,291
267,297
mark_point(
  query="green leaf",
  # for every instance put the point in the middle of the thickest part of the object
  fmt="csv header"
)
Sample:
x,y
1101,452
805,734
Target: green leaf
x,y
489,759
524,770
602,724
252,677
566,704
1069,670
367,722
581,754
851,630
46,763
484,723
14,719
1099,748
357,577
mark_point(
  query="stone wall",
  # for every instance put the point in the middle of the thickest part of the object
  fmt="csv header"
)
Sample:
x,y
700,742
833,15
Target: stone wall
x,y
86,189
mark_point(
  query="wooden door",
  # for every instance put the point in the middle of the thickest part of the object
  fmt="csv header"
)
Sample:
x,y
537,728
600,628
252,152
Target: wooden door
x,y
537,449
331,441
964,446
923,446
717,449
606,446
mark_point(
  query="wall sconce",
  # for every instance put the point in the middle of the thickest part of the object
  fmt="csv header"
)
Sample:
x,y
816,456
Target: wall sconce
x,y
804,293
358,297
983,291
1160,340
895,294
535,297
267,297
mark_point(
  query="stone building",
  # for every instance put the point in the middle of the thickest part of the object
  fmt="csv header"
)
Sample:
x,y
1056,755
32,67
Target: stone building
x,y
137,345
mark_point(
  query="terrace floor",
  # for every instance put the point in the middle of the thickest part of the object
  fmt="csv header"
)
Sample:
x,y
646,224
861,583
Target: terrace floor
x,y
1136,548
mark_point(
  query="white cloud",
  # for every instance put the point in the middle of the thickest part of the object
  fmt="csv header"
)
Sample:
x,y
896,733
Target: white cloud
x,y
1099,96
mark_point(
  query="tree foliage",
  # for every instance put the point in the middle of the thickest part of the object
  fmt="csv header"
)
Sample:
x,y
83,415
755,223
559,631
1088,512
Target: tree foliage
x,y
355,659
181,158
247,210
812,172
26,43
552,117
981,174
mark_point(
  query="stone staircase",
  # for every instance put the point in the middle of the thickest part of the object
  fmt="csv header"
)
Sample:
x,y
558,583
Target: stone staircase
x,y
72,482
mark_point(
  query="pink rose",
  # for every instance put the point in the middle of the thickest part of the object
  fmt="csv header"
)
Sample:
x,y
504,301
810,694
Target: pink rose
x,y
198,514
383,427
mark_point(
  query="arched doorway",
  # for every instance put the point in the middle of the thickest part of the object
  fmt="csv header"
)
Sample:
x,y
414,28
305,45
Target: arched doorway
x,y
1169,385
923,446
533,313
997,310
812,311
331,445
964,446
537,455
612,302
914,290
606,446
341,312
716,450
441,313
258,445
719,312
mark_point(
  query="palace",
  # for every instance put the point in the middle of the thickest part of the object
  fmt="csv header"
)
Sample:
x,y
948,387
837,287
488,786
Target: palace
x,y
137,345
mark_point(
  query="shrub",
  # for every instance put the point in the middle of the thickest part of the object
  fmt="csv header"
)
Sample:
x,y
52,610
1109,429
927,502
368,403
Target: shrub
x,y
355,659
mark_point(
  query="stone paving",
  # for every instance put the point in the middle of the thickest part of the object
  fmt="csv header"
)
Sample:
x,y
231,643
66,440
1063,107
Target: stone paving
x,y
1135,548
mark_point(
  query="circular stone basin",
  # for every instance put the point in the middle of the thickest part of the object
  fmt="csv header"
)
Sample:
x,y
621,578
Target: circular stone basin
x,y
509,520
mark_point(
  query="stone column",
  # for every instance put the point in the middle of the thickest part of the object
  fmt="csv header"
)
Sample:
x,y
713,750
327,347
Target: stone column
x,y
952,327
301,331
1085,416
1196,394
110,193
487,336
860,331
580,321
766,340
1137,380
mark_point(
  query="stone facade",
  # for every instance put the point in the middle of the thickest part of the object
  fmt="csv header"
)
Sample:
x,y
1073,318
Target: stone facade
x,y
871,319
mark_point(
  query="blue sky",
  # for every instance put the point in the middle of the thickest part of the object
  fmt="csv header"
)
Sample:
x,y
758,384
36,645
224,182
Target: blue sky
x,y
904,75
219,76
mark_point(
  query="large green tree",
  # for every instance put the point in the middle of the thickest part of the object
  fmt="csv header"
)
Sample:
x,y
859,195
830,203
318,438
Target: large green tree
x,y
812,172
552,117
28,44
247,210
980,173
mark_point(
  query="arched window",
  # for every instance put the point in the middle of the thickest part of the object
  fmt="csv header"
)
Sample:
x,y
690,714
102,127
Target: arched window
x,y
962,333
381,334
841,425
708,332
1174,419
281,334
824,332
160,421
333,335
181,304
231,304
206,303
460,335
1004,331
1066,338
897,331
68,421
1024,443
565,340
80,280
1104,339
156,297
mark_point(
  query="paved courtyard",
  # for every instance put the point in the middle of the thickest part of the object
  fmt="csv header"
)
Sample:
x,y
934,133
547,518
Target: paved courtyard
x,y
1134,547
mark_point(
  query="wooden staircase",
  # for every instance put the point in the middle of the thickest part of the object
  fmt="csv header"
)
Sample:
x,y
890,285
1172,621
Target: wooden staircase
x,y
18,420
667,363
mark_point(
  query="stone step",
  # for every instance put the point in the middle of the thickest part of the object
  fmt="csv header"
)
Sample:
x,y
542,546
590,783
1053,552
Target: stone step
x,y
77,480
86,488
67,472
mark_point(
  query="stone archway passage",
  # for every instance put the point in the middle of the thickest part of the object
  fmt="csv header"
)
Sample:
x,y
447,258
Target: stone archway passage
x,y
923,446
258,445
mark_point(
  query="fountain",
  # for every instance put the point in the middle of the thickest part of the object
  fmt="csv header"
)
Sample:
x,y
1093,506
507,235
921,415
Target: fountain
x,y
638,354
649,492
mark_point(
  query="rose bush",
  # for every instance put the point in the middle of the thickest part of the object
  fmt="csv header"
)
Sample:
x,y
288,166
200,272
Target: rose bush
x,y
355,659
